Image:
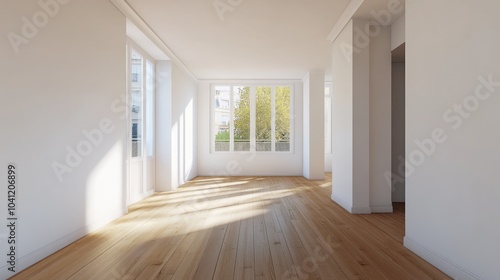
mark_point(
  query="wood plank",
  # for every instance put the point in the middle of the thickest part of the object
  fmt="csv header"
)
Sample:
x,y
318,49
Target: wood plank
x,y
245,268
285,215
227,258
241,228
374,254
264,268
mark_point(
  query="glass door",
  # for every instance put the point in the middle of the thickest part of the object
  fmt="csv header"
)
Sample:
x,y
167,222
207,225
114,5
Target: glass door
x,y
141,125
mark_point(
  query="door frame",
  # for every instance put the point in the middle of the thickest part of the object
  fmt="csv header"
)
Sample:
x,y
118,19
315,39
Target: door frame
x,y
145,158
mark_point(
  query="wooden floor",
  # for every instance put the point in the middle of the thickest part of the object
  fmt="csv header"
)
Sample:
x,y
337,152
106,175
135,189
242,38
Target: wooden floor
x,y
241,228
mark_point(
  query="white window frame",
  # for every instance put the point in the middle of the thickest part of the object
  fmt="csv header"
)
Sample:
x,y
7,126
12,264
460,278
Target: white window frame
x,y
131,48
328,117
252,86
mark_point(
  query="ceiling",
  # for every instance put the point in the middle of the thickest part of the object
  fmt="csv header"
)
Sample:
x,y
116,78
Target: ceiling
x,y
381,8
272,39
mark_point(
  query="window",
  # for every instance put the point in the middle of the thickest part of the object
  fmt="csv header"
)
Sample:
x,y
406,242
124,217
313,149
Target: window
x,y
135,76
136,103
263,120
142,88
328,118
241,115
221,121
150,108
282,124
251,118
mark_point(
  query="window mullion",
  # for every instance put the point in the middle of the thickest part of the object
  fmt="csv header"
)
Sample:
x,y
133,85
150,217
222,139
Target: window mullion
x,y
253,144
213,133
292,119
273,119
143,111
231,118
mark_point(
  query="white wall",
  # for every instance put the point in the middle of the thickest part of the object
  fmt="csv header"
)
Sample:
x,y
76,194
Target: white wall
x,y
64,80
184,126
163,125
176,125
328,155
328,162
380,121
342,123
398,32
362,119
314,125
351,120
398,132
453,195
360,122
246,163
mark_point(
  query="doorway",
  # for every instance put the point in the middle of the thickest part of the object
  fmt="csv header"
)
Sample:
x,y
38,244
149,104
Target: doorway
x,y
398,123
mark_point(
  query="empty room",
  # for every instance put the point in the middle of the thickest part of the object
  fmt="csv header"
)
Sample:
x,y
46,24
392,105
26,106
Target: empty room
x,y
238,139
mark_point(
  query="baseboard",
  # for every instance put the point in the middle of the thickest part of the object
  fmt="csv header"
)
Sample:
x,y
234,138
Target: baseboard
x,y
344,204
141,197
270,173
453,270
361,210
47,250
382,209
348,206
315,178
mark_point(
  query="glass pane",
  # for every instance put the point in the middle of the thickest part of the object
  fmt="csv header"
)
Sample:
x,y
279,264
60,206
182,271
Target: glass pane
x,y
221,118
328,119
136,104
328,125
150,99
241,101
282,124
263,119
136,70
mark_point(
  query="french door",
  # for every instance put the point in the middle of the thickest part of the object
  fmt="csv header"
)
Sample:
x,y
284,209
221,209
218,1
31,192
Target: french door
x,y
141,99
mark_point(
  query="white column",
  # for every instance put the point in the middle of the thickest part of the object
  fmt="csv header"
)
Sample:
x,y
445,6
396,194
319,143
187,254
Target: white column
x,y
350,120
163,125
314,120
380,122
